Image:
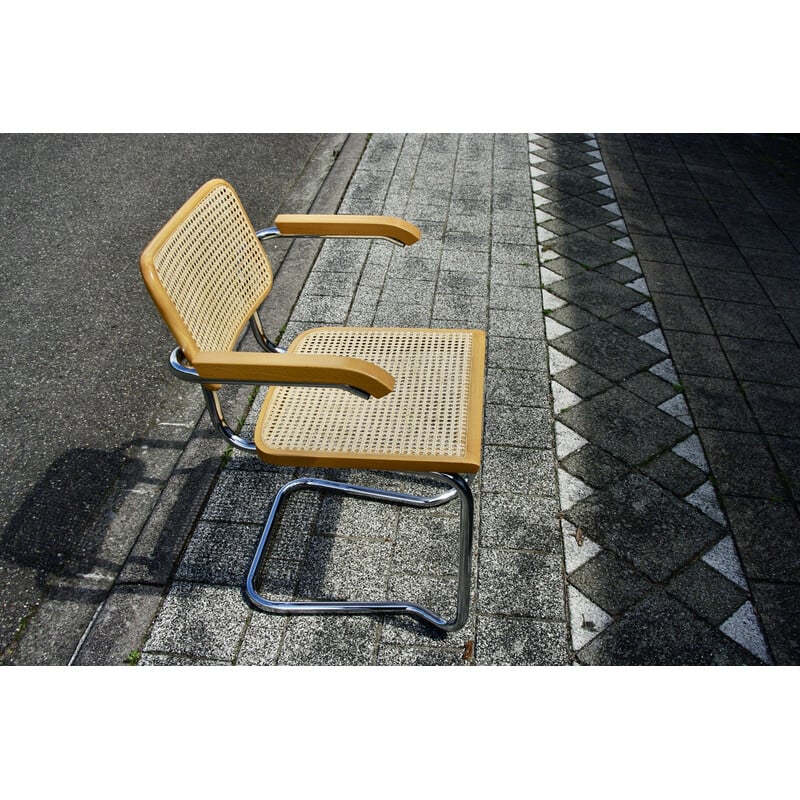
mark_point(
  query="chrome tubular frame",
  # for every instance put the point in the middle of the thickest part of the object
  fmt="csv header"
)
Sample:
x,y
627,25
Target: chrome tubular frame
x,y
264,342
273,233
459,487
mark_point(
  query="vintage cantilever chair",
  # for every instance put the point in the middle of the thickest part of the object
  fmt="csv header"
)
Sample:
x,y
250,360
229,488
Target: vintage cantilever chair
x,y
390,399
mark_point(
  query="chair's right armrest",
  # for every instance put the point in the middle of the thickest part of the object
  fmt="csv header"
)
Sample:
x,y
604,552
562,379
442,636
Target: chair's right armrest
x,y
292,370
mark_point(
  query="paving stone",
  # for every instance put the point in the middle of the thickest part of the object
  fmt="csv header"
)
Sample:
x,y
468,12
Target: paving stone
x,y
328,641
787,454
624,425
568,183
396,656
582,381
720,285
610,351
579,213
618,273
767,534
661,631
719,403
682,313
526,471
587,619
779,607
594,466
698,354
777,408
557,226
692,227
572,316
341,568
649,387
509,641
747,321
645,525
200,621
520,522
781,265
655,248
512,353
633,323
219,553
754,360
707,593
610,583
520,427
562,266
520,583
667,278
674,473
588,250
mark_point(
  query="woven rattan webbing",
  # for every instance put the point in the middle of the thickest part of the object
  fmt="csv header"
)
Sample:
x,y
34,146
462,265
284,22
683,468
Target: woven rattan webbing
x,y
426,415
215,270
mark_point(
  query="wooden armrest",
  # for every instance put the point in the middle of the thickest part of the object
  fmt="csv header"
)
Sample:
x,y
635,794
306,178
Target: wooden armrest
x,y
289,368
347,225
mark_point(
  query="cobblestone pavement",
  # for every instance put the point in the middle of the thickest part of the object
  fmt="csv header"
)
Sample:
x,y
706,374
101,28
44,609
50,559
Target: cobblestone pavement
x,y
653,573
618,520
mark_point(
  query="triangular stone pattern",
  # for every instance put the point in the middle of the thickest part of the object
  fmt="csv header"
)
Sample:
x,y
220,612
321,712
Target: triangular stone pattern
x,y
653,576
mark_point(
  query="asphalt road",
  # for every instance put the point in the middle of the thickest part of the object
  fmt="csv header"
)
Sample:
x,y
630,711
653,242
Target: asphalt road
x,y
82,348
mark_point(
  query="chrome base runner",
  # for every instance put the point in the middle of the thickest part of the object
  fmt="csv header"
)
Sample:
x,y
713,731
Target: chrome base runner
x,y
459,487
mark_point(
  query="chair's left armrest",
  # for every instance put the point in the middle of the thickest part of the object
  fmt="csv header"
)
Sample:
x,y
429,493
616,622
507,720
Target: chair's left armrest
x,y
349,225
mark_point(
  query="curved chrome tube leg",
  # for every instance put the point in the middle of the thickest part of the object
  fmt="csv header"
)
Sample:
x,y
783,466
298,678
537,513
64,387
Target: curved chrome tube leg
x,y
459,486
264,342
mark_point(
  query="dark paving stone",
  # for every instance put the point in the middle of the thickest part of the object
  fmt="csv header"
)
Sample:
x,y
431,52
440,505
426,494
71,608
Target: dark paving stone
x,y
767,362
643,220
712,256
791,318
706,592
596,293
594,466
579,213
610,583
697,354
662,631
747,320
649,387
741,463
571,184
562,266
767,535
570,139
671,278
650,528
675,474
704,230
588,250
558,226
720,285
783,292
606,232
681,313
626,426
573,316
777,408
779,610
583,381
632,323
566,157
610,351
761,237
780,265
718,403
663,168
655,248
680,187
618,273
682,206
787,454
